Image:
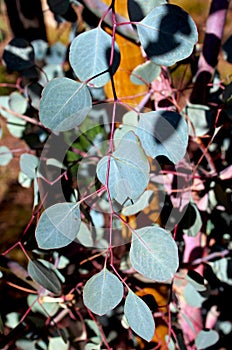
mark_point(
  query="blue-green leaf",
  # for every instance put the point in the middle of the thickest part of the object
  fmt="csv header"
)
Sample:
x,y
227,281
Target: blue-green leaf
x,y
90,55
139,316
17,102
103,292
129,170
138,9
45,276
145,73
154,253
163,133
28,165
194,219
64,104
58,225
58,343
139,205
206,338
5,155
167,34
43,307
192,297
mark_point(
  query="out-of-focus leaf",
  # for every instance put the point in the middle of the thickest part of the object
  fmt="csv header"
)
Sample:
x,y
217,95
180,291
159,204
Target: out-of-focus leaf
x,y
206,338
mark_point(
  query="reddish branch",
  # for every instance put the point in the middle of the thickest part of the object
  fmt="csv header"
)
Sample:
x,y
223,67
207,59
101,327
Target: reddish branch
x,y
211,47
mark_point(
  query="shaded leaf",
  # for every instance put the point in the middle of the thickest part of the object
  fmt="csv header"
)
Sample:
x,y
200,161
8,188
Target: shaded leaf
x,y
191,219
102,292
139,316
129,170
196,280
84,236
138,9
163,133
45,276
18,55
154,253
90,55
206,338
64,104
167,34
58,225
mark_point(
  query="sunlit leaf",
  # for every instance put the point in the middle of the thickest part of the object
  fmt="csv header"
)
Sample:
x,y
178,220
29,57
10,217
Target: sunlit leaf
x,y
163,133
28,165
12,319
90,55
154,253
24,180
18,55
58,225
129,170
145,73
139,316
138,9
102,292
139,205
170,343
206,338
167,34
45,276
65,103
5,155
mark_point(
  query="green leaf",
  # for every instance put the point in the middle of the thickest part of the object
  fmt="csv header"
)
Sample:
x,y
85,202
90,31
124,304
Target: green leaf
x,y
163,133
92,346
206,338
5,155
138,9
12,319
58,226
45,276
64,104
102,292
139,205
139,316
154,253
129,170
169,342
167,34
145,73
24,180
90,55
28,165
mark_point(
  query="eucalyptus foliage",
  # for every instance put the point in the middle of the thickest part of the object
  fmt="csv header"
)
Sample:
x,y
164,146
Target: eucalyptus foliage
x,y
108,162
